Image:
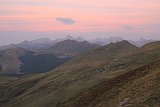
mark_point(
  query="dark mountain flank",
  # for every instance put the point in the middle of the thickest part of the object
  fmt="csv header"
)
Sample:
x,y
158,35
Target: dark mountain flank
x,y
23,61
39,63
0,68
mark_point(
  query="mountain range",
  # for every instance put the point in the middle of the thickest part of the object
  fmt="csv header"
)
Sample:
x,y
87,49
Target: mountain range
x,y
25,59
40,44
46,43
105,41
115,75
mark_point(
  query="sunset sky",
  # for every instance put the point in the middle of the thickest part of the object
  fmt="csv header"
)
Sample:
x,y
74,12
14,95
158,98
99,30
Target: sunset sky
x,y
31,19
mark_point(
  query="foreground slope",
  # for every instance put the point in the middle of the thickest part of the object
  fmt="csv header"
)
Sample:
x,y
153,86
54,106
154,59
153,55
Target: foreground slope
x,y
76,76
137,88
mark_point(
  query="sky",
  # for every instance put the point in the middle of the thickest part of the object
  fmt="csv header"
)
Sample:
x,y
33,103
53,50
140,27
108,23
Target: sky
x,y
31,19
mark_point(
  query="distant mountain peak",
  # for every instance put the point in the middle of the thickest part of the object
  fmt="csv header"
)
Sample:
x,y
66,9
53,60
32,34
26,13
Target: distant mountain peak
x,y
69,37
106,41
25,42
72,47
141,41
123,42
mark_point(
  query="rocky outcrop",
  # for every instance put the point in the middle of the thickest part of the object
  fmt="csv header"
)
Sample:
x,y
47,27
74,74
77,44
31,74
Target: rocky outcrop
x,y
125,103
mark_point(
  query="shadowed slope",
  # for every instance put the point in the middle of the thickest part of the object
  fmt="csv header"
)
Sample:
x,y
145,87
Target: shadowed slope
x,y
22,61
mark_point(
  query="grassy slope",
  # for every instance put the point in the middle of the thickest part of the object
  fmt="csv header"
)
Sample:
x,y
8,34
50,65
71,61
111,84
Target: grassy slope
x,y
74,76
141,86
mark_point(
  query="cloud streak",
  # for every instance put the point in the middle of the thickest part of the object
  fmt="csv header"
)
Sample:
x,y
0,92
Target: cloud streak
x,y
128,27
67,21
